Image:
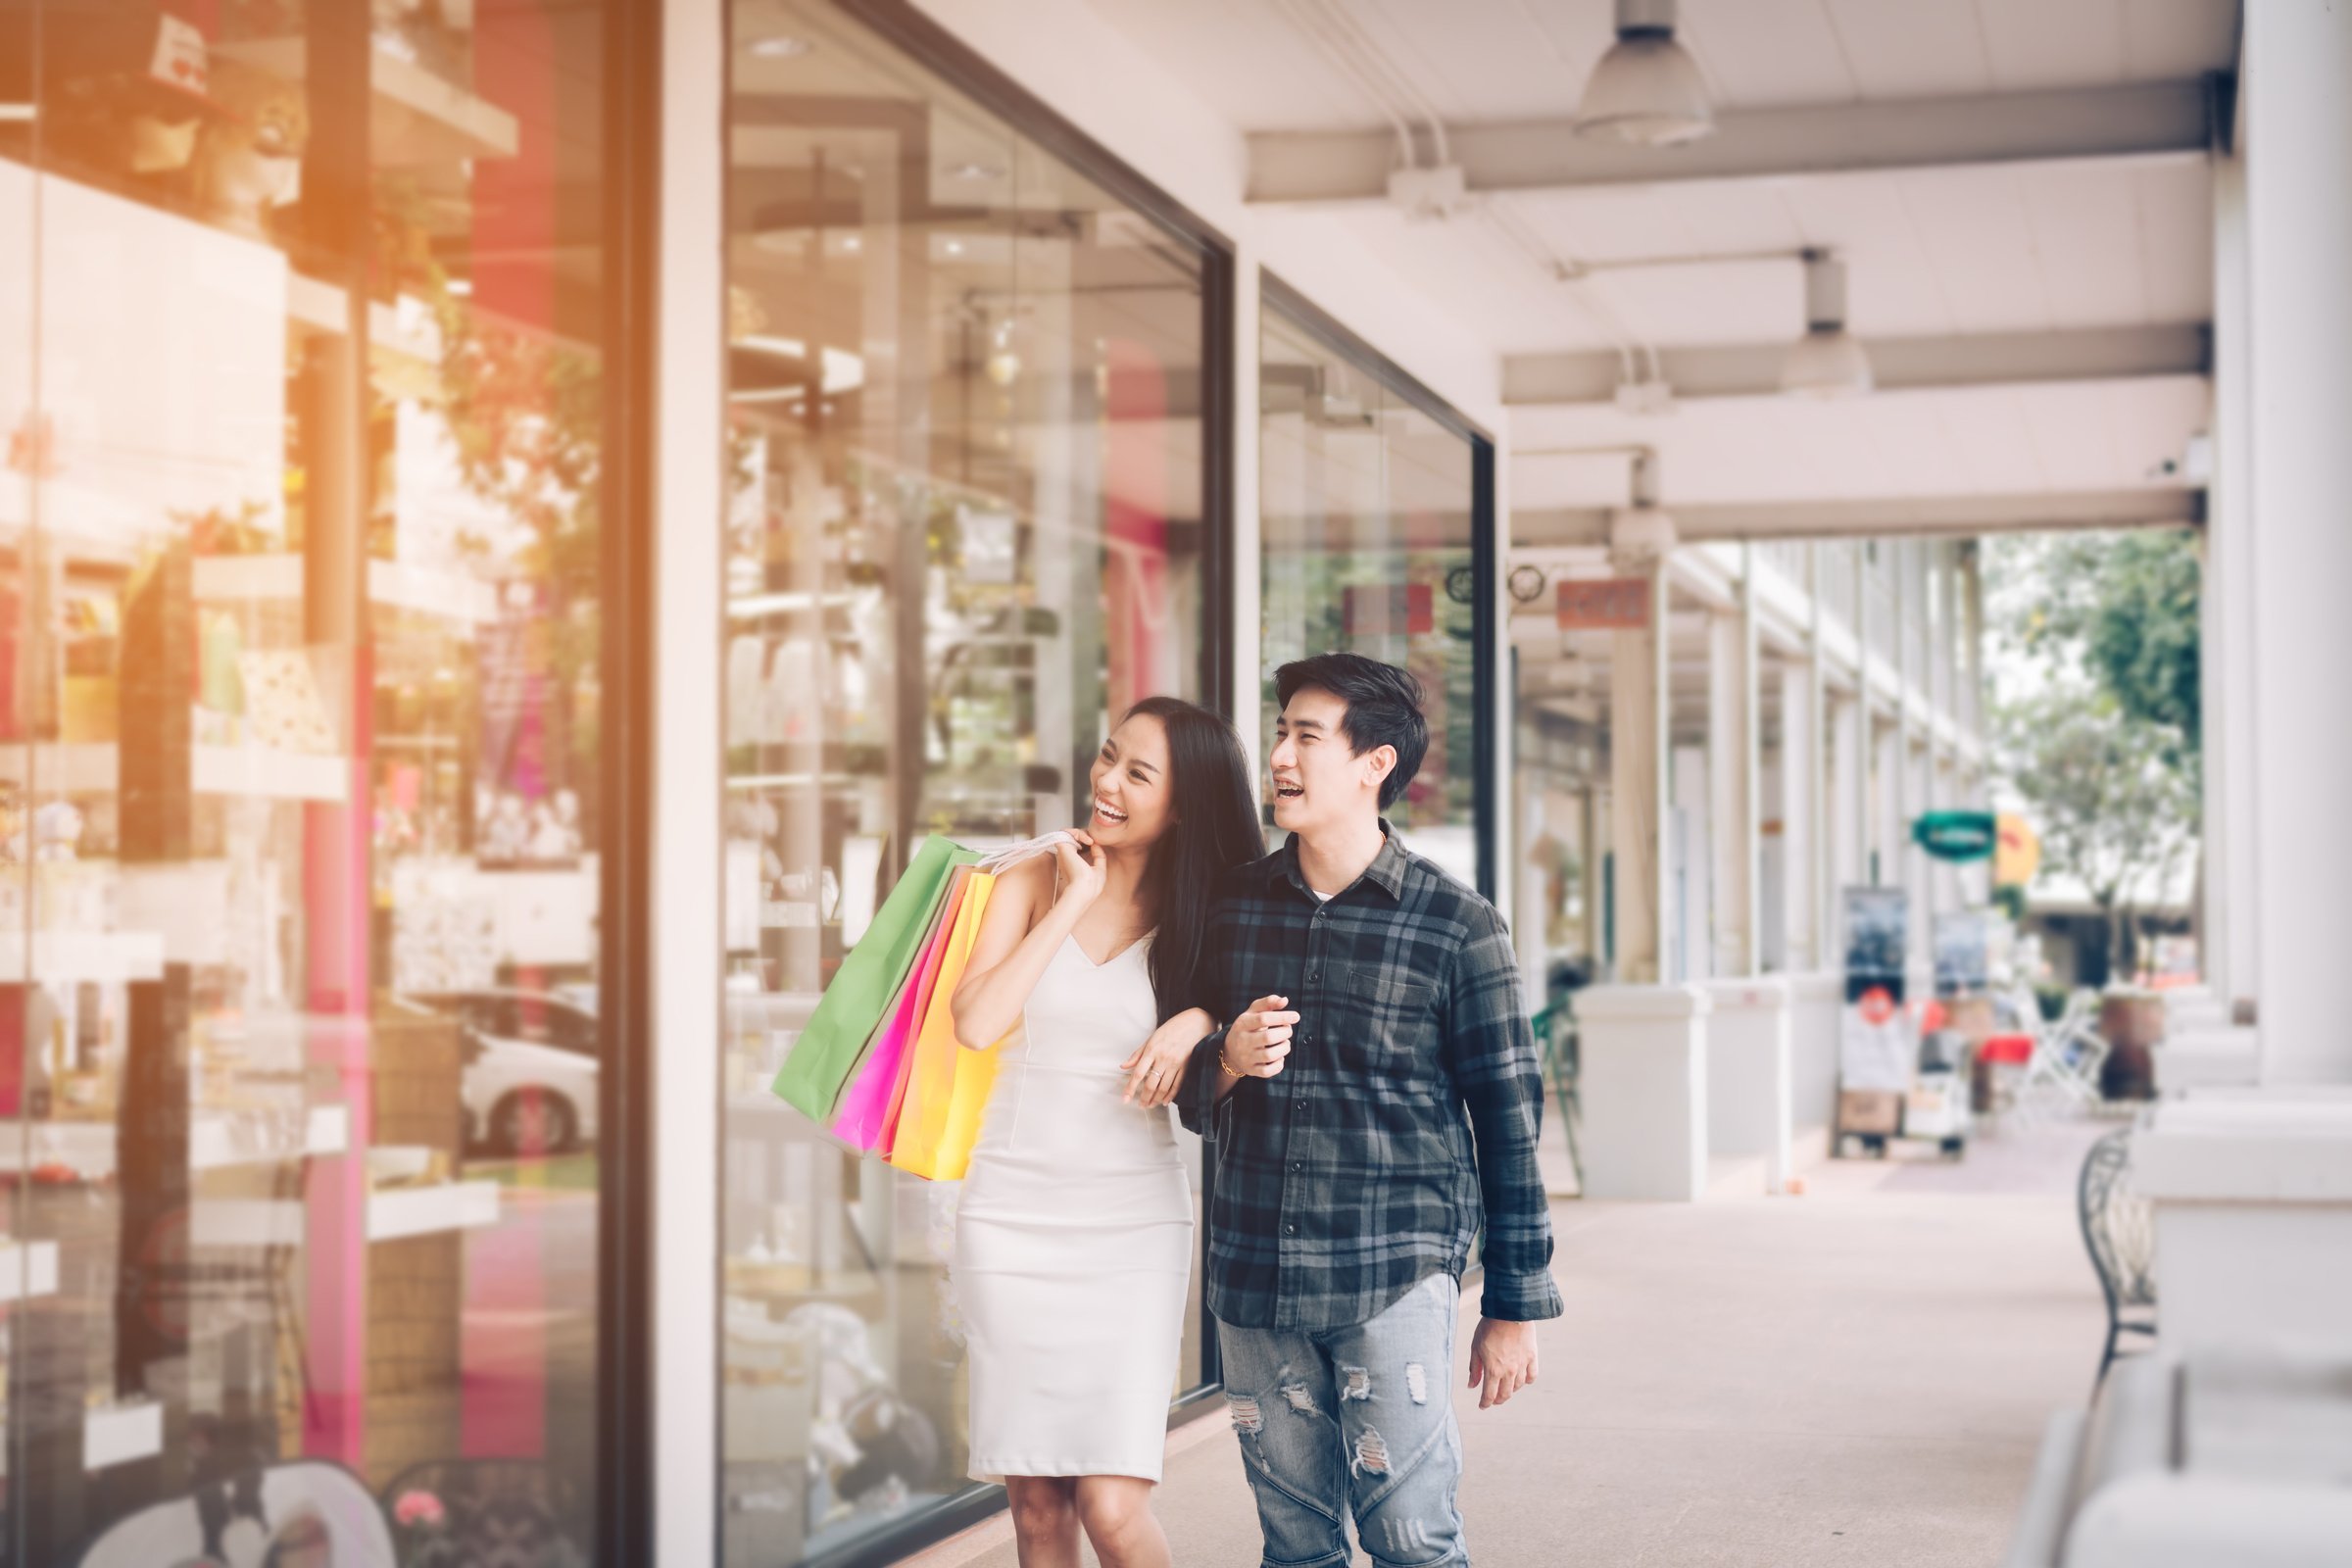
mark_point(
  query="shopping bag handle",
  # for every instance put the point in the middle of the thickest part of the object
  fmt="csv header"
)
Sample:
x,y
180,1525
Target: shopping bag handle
x,y
1027,848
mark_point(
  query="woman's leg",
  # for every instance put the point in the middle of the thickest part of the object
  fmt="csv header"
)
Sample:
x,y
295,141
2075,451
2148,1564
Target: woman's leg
x,y
1116,1512
1045,1520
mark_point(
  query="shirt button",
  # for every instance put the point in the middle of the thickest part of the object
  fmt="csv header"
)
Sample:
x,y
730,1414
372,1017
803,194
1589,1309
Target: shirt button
x,y
1290,1230
1295,1165
1314,974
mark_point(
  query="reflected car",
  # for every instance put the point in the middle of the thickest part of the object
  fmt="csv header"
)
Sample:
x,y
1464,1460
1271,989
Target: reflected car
x,y
530,1073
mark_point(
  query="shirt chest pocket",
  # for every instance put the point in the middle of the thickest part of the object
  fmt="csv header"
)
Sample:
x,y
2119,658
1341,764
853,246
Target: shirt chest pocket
x,y
1391,1013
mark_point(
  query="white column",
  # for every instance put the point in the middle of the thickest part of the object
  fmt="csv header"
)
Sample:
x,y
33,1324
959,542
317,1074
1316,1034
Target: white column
x,y
689,460
1799,766
1638,779
2233,954
1732,743
2298,60
1887,744
1747,1075
1643,1075
1849,766
1691,867
1818,764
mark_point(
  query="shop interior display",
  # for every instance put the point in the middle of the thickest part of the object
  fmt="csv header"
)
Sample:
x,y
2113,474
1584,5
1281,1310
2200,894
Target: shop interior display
x,y
289,630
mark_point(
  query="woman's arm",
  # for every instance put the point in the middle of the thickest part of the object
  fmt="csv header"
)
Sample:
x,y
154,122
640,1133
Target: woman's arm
x,y
1024,925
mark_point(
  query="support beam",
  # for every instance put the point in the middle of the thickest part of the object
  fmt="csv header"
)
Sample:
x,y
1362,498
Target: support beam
x,y
1898,364
2146,120
1893,517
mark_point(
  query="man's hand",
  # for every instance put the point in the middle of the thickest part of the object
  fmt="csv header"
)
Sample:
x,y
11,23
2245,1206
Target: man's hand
x,y
1260,1038
1503,1359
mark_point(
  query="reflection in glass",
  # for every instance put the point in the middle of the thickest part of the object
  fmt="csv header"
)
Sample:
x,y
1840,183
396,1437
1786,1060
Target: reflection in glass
x,y
299,619
964,527
1365,510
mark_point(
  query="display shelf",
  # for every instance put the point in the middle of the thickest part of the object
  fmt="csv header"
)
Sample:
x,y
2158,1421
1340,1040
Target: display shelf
x,y
218,1140
118,1434
748,607
63,767
27,1269
394,1214
401,1211
265,770
59,956
94,767
419,120
393,584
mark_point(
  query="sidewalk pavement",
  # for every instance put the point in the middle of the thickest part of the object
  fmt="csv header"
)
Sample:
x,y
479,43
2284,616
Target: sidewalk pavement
x,y
1858,1375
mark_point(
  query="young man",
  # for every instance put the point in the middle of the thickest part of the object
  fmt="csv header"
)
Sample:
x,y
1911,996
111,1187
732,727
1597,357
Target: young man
x,y
1374,1001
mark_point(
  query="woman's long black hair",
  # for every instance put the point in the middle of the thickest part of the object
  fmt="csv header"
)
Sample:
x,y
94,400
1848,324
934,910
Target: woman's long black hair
x,y
1215,829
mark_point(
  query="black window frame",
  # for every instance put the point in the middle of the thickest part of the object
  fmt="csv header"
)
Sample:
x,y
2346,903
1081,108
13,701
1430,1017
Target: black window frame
x,y
1284,300
927,44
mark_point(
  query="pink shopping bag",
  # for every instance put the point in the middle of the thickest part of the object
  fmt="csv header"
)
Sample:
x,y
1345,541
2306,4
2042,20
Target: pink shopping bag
x,y
869,1105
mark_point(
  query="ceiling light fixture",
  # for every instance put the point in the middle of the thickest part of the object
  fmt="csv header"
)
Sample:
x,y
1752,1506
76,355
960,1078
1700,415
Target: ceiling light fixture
x,y
1647,89
1828,361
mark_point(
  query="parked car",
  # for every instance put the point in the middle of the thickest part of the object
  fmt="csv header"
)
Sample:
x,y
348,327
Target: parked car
x,y
530,1074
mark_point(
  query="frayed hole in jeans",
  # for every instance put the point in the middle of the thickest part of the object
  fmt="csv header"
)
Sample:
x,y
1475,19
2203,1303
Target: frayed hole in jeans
x,y
1405,1534
1248,1419
1358,1385
1371,1455
1300,1400
1416,1382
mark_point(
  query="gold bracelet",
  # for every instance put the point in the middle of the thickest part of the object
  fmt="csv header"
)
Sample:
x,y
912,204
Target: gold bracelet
x,y
1231,1071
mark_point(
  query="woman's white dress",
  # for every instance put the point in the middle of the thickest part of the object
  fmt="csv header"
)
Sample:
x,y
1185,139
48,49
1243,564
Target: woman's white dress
x,y
1074,1237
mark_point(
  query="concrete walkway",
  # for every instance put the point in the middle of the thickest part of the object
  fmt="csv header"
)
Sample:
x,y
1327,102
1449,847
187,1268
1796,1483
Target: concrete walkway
x,y
1857,1375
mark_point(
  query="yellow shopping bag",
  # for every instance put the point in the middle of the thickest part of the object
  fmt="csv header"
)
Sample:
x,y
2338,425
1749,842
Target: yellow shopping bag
x,y
948,1086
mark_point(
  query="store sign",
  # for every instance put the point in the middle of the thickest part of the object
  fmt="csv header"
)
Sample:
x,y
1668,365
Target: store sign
x,y
1955,835
1395,609
1604,604
2017,853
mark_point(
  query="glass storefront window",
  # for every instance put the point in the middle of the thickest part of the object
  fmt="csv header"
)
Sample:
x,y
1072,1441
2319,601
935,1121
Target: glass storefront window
x,y
1368,511
966,531
300,623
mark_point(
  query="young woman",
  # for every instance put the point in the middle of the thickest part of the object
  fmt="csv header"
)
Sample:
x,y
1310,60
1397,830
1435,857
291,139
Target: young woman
x,y
1074,1240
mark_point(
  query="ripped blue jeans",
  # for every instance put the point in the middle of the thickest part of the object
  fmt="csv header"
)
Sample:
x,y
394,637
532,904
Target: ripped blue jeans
x,y
1357,1420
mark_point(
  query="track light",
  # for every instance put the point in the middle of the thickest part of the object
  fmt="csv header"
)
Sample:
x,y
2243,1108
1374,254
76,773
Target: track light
x,y
1828,361
1647,89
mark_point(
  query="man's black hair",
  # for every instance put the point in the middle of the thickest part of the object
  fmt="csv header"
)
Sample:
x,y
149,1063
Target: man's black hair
x,y
1384,708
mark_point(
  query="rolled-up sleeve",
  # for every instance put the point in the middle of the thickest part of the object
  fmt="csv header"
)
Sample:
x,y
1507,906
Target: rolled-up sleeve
x,y
1493,1054
1196,1097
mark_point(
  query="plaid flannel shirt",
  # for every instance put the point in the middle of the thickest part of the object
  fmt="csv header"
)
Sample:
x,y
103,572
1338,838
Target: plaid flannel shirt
x,y
1350,1176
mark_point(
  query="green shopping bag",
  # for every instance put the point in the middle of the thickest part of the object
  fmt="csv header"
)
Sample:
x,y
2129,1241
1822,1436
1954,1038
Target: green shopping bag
x,y
856,1004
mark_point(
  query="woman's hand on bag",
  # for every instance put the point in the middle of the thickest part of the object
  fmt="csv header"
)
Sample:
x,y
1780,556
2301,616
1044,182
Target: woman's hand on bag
x,y
1079,867
1260,1038
1156,1070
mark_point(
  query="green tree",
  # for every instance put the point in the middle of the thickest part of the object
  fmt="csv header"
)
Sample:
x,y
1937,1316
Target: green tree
x,y
2126,605
2096,715
2112,806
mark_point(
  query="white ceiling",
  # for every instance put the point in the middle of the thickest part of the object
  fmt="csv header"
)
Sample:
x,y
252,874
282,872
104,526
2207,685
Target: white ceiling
x,y
1488,59
2020,247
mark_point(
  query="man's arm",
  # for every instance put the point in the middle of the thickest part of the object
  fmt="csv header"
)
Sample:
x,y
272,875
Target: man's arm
x,y
1493,1054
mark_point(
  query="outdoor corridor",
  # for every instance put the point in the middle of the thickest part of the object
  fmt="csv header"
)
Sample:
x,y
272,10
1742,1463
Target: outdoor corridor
x,y
1858,1375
